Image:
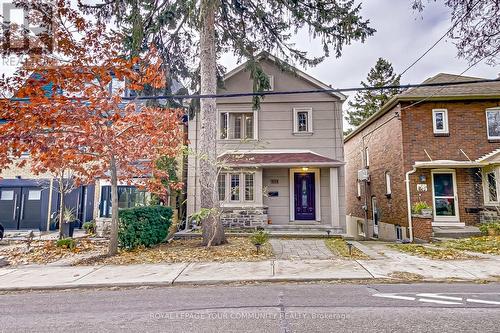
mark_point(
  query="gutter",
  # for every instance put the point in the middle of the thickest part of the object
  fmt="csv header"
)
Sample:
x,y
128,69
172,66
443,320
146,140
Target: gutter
x,y
408,201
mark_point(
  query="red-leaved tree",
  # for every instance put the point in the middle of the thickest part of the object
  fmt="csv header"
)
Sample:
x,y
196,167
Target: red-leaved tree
x,y
69,111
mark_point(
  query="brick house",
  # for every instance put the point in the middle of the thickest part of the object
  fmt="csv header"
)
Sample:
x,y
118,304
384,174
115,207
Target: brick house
x,y
281,166
446,140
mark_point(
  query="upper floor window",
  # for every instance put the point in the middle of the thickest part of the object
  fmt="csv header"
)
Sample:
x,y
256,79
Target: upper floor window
x,y
302,120
271,83
237,125
367,157
440,121
493,123
388,188
491,186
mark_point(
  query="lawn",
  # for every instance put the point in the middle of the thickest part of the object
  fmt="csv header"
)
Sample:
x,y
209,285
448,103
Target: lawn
x,y
432,253
339,247
484,244
187,250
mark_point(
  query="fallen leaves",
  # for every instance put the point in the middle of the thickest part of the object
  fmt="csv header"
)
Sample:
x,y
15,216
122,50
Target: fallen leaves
x,y
432,253
406,276
339,247
187,250
484,244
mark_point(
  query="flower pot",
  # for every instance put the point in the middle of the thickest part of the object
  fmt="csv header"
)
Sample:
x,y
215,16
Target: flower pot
x,y
427,212
68,229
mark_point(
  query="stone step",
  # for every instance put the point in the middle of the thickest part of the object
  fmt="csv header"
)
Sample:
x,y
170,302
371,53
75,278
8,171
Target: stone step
x,y
455,232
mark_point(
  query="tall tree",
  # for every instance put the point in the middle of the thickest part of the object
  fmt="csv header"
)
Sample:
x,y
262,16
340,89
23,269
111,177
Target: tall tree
x,y
367,102
475,28
81,122
243,27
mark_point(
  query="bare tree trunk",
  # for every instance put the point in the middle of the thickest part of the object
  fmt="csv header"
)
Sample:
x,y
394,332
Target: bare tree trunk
x,y
61,204
212,229
113,237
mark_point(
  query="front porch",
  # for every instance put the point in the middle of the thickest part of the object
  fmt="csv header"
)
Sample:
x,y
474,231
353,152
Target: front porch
x,y
281,191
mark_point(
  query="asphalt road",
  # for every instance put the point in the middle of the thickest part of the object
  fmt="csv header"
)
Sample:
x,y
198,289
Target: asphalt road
x,y
258,308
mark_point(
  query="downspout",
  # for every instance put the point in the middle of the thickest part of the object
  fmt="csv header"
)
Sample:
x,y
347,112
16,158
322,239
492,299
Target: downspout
x,y
408,201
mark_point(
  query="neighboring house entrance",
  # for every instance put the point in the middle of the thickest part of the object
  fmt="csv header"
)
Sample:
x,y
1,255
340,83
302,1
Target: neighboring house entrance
x,y
305,203
375,215
21,207
444,192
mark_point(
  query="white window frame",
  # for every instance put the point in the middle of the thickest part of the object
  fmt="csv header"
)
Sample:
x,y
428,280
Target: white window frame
x,y
366,155
271,83
445,129
388,187
486,189
296,120
242,199
222,113
490,137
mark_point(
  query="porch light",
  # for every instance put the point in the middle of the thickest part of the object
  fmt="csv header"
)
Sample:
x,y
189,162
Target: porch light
x,y
305,168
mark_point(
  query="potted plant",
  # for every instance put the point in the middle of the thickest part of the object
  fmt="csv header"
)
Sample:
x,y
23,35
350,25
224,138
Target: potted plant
x,y
422,208
259,238
69,220
89,227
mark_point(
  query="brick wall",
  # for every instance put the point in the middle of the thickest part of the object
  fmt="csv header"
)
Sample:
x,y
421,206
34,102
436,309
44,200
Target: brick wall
x,y
422,228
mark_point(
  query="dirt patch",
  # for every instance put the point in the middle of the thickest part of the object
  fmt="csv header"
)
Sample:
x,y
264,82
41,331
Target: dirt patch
x,y
187,250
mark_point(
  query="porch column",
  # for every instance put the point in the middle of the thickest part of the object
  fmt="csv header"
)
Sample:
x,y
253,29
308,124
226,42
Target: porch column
x,y
334,197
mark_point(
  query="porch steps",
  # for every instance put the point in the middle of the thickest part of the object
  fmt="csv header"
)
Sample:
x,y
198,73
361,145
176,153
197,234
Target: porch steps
x,y
455,232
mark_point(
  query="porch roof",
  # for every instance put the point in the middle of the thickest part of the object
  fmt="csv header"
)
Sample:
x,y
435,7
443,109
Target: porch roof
x,y
255,158
447,164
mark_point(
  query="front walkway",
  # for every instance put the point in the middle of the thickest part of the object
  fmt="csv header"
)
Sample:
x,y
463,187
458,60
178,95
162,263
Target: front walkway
x,y
300,249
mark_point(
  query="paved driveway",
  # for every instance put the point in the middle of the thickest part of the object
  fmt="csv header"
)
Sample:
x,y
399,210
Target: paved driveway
x,y
300,249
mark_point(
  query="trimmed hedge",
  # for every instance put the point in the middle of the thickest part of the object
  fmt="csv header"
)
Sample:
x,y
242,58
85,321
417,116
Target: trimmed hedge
x,y
143,226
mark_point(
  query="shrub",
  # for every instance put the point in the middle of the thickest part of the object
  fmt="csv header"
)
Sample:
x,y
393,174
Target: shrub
x,y
418,206
89,227
259,237
483,227
67,243
143,226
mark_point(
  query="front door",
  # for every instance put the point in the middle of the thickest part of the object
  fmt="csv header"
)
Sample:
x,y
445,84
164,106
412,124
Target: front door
x,y
10,203
444,190
305,206
20,207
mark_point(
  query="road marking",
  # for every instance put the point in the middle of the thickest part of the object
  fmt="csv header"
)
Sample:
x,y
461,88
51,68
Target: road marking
x,y
428,300
482,301
440,297
408,298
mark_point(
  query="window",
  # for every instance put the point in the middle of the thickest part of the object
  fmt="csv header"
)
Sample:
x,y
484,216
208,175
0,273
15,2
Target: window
x,y
128,197
493,123
302,120
399,232
491,186
271,83
367,158
34,194
358,194
221,185
7,195
234,183
388,189
440,121
237,125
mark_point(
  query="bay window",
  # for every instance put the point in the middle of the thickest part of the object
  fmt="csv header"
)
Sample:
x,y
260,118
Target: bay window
x,y
236,187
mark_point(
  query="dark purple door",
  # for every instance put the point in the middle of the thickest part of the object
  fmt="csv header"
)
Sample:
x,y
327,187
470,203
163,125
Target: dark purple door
x,y
305,207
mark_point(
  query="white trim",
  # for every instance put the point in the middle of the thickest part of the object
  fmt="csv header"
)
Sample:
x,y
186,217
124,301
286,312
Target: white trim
x,y
455,219
445,129
495,109
484,174
447,224
334,198
296,121
317,192
296,71
243,129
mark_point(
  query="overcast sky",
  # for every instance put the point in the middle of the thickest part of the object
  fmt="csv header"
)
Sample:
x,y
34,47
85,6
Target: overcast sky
x,y
402,36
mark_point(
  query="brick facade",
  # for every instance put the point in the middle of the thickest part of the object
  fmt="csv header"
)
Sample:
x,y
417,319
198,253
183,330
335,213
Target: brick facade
x,y
398,144
422,228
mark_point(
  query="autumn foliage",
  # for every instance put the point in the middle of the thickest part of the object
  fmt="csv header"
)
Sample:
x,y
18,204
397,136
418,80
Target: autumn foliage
x,y
67,109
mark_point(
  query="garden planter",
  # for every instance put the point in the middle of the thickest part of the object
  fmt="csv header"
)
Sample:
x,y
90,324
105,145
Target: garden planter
x,y
68,229
427,212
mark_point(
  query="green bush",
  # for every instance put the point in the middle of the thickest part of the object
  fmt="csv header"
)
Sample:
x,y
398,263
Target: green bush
x,y
483,227
259,237
143,226
418,206
89,227
67,243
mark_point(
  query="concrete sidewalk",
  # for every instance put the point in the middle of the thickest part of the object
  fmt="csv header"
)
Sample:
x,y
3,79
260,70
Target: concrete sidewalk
x,y
52,277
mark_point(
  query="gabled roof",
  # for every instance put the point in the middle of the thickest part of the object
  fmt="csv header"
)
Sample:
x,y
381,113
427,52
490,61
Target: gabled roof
x,y
472,91
298,72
